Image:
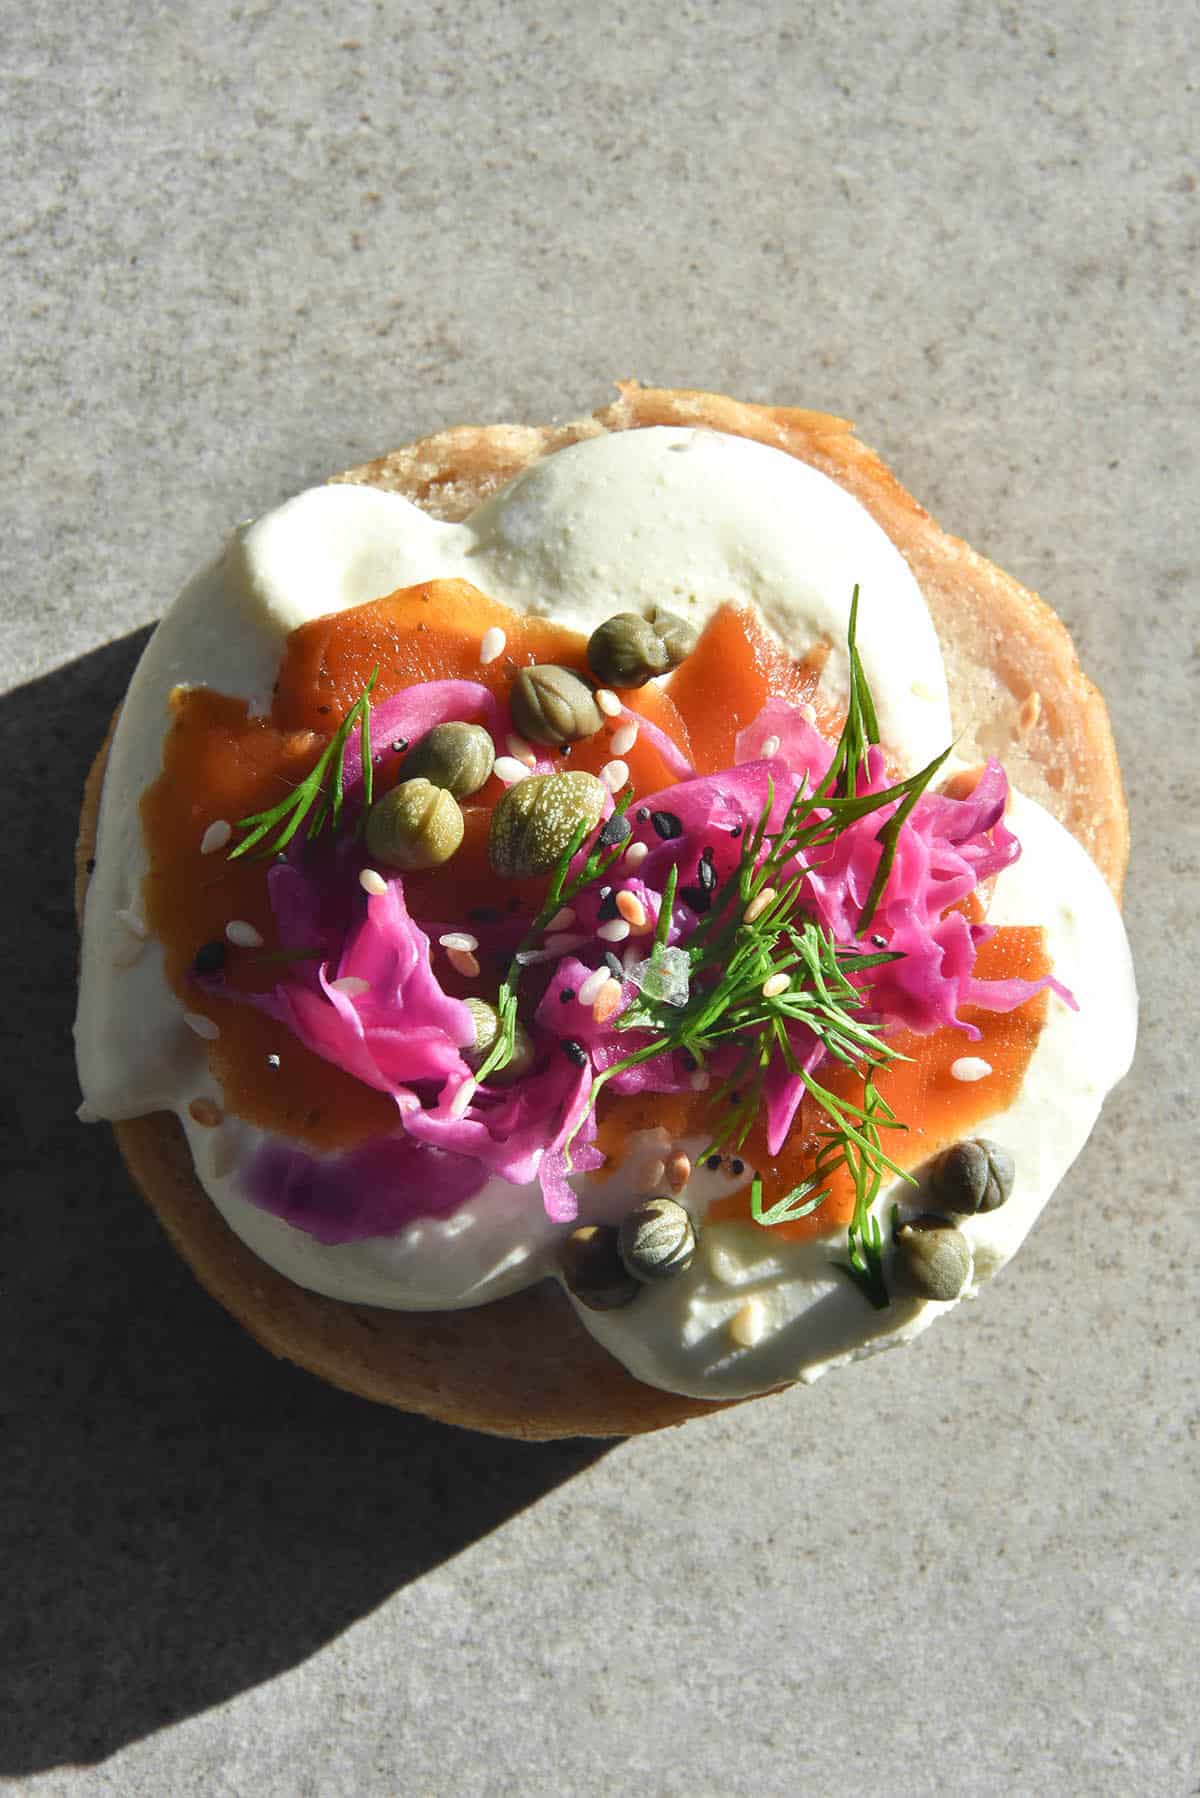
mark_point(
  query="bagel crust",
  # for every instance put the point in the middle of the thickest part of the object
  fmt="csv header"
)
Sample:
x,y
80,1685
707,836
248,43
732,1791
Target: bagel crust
x,y
524,1366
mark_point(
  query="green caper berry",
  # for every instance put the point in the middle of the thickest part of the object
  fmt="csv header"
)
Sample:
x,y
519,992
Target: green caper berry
x,y
973,1175
935,1257
534,822
657,1240
593,1270
553,705
628,650
416,825
455,756
486,1020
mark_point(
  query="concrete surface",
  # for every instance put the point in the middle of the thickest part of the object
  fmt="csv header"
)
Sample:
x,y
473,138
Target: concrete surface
x,y
247,245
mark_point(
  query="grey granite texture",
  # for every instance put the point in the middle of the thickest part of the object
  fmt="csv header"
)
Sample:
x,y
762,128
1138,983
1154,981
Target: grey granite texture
x,y
247,245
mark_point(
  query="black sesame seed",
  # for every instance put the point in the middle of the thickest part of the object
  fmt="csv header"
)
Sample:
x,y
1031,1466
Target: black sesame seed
x,y
614,964
616,830
713,1163
699,898
399,745
707,875
566,994
642,815
735,830
210,958
737,1167
574,1051
608,905
667,825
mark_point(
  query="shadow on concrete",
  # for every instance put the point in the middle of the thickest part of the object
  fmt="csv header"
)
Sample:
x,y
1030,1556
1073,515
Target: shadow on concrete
x,y
182,1516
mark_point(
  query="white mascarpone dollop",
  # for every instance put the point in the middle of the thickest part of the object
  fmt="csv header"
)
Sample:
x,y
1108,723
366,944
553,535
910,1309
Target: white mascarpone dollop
x,y
690,520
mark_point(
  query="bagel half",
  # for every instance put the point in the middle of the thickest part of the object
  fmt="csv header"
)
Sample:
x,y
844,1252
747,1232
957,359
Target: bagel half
x,y
523,1366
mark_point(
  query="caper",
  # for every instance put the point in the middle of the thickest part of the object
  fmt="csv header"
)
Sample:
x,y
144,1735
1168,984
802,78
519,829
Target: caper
x,y
534,822
593,1270
486,1020
657,1240
455,756
935,1257
628,650
416,825
553,705
972,1175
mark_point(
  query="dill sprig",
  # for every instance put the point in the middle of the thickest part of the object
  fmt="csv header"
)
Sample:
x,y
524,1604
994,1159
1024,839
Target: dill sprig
x,y
316,799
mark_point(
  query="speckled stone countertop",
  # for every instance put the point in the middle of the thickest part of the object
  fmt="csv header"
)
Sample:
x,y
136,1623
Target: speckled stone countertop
x,y
247,245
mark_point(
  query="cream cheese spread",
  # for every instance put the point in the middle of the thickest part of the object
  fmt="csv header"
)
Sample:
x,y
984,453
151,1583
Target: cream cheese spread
x,y
690,519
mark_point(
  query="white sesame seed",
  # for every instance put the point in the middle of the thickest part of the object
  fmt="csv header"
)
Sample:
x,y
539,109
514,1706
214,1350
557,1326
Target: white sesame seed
x,y
462,1098
630,957
562,918
778,983
624,737
590,990
656,1173
970,1067
372,883
351,985
608,702
491,644
459,939
242,934
679,1171
699,1081
463,962
134,925
636,854
748,1323
759,904
196,1020
615,931
632,910
216,836
614,774
770,747
508,769
520,751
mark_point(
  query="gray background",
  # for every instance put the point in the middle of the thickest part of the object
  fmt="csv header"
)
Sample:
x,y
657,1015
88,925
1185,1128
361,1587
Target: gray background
x,y
247,245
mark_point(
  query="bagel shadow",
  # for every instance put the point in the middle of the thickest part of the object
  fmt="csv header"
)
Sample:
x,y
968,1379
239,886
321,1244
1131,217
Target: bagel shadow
x,y
183,1516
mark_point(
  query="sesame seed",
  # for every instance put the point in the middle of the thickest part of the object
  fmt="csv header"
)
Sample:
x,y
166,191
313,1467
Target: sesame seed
x,y
574,1051
566,994
607,909
713,1163
196,1020
608,702
737,1167
459,939
562,918
614,774
372,883
667,825
463,962
508,769
216,836
770,747
462,1098
699,1081
243,935
607,1003
203,1111
520,751
592,986
748,1323
134,925
210,958
615,931
560,943
351,985
613,964
679,1171
759,904
1030,712
491,645
970,1067
636,854
630,957
624,737
656,1173
632,910
778,983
